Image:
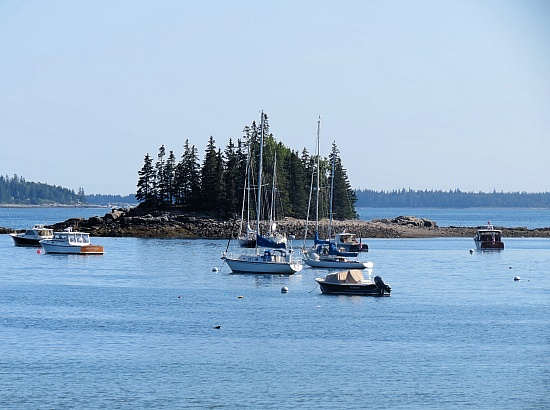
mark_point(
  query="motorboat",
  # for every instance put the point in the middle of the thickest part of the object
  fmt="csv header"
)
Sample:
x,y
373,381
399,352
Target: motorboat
x,y
349,242
271,261
321,258
71,242
352,282
32,236
489,238
345,242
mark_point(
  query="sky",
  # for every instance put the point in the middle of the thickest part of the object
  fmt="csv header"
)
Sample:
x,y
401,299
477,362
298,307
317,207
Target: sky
x,y
416,94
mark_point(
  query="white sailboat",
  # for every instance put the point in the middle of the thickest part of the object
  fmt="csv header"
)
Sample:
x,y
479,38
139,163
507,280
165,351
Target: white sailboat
x,y
272,239
247,239
268,261
327,255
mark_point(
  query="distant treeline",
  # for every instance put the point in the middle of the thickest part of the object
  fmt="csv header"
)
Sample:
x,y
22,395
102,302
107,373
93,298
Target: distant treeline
x,y
115,200
450,199
16,190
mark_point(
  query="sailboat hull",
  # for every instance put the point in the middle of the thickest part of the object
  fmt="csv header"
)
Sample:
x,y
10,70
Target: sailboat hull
x,y
254,264
267,263
328,263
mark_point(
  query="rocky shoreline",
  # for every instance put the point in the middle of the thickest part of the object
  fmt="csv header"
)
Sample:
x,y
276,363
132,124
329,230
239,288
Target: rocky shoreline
x,y
135,222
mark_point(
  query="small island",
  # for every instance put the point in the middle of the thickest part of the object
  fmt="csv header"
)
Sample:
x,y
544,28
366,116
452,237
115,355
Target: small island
x,y
174,223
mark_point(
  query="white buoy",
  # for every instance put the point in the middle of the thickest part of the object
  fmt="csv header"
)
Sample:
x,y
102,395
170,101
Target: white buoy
x,y
284,289
516,278
215,269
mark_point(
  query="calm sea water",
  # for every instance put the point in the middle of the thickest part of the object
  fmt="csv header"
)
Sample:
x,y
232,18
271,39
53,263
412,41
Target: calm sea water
x,y
134,328
504,217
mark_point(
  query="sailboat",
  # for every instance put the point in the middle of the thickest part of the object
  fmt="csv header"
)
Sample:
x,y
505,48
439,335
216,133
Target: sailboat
x,y
247,239
268,261
272,239
250,237
326,254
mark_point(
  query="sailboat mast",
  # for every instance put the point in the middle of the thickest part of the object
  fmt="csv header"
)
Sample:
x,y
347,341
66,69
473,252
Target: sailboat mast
x,y
331,197
258,203
246,194
272,210
317,191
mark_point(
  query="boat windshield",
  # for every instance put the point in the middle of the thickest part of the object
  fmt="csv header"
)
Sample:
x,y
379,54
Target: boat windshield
x,y
348,237
78,238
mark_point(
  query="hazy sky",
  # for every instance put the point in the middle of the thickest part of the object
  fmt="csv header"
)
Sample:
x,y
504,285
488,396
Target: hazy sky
x,y
416,94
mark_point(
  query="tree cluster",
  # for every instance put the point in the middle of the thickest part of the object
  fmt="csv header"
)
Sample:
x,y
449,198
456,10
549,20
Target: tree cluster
x,y
450,199
220,184
18,191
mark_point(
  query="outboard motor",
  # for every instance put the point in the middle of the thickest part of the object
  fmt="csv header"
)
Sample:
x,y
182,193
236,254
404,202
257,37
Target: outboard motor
x,y
381,285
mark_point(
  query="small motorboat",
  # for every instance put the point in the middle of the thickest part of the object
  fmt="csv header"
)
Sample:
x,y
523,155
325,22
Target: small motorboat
x,y
33,236
345,241
352,282
489,238
71,242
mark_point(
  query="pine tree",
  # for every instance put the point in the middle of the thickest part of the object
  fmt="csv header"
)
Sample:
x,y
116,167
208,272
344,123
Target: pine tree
x,y
211,178
343,201
160,182
232,178
146,181
298,192
169,177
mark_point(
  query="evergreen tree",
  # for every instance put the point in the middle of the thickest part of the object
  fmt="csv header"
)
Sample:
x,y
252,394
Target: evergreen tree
x,y
211,178
169,175
146,181
161,188
232,179
187,176
343,201
298,186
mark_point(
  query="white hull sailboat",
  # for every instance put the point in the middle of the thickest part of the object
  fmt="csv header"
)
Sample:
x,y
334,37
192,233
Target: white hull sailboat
x,y
311,258
270,261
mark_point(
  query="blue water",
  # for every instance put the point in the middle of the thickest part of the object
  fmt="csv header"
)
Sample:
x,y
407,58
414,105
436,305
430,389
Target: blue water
x,y
22,217
134,328
503,217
